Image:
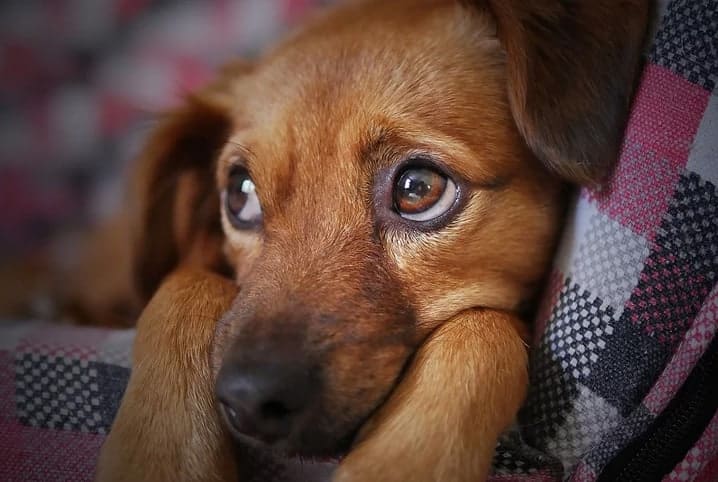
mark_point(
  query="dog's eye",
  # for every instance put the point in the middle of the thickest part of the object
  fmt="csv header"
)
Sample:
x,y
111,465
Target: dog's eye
x,y
241,201
422,194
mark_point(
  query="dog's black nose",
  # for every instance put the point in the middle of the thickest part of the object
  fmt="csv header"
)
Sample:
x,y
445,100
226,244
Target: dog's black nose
x,y
264,401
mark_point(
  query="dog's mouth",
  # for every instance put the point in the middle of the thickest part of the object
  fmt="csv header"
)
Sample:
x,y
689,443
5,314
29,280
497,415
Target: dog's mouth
x,y
305,384
318,434
305,443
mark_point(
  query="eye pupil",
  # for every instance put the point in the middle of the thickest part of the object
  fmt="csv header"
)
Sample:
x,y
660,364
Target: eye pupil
x,y
236,199
241,203
418,189
415,188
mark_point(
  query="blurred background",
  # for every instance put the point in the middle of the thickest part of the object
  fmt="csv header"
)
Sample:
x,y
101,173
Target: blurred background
x,y
80,81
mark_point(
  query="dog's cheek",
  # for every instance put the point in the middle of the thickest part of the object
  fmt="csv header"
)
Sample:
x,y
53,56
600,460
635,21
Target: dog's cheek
x,y
363,356
494,255
358,378
241,250
424,268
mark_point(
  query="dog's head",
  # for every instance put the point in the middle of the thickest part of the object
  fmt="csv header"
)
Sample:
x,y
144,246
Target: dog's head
x,y
387,167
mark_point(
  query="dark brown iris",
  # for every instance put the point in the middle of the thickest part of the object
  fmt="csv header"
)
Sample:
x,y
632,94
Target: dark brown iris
x,y
418,189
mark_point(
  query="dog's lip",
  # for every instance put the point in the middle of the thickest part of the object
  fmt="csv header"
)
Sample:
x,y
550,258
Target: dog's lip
x,y
280,447
281,450
227,413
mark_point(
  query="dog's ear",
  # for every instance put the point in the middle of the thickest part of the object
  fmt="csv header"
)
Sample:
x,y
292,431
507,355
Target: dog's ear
x,y
572,67
175,210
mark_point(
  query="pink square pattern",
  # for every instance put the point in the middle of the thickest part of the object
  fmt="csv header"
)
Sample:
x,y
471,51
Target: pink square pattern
x,y
64,341
12,449
699,457
583,473
666,114
709,472
57,455
639,192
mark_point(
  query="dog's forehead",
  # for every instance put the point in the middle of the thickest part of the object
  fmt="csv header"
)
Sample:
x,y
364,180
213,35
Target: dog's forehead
x,y
313,105
387,56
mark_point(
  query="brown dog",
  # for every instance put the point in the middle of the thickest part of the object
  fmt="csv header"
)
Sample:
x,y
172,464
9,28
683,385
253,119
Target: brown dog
x,y
390,181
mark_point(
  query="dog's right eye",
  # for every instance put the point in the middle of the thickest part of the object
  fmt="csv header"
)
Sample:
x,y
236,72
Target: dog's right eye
x,y
241,201
423,194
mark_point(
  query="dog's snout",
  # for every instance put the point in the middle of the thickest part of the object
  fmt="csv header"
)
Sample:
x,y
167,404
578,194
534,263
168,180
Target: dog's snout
x,y
264,401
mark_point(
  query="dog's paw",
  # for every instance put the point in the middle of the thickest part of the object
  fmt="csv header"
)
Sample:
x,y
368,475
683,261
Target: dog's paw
x,y
376,461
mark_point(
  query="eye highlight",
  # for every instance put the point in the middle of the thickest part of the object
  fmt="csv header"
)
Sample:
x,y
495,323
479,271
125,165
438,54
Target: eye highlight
x,y
240,200
422,193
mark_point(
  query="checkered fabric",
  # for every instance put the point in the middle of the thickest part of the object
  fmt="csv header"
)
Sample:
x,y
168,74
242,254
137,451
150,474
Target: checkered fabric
x,y
80,82
630,309
60,387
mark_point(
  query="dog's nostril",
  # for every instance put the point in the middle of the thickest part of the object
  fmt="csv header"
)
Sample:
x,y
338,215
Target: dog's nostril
x,y
232,414
239,421
275,410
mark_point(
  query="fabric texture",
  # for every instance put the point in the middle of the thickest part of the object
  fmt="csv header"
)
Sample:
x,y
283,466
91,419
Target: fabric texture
x,y
630,308
81,82
60,387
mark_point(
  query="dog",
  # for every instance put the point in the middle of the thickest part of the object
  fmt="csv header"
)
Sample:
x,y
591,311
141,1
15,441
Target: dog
x,y
342,240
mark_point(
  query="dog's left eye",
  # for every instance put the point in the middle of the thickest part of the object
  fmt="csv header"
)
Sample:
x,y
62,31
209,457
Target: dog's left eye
x,y
423,194
241,201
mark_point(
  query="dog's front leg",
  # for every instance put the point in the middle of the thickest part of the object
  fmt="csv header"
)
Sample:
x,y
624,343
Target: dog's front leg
x,y
167,428
463,388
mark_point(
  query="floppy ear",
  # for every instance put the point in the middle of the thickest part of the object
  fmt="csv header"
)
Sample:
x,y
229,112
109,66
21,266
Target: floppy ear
x,y
175,212
572,67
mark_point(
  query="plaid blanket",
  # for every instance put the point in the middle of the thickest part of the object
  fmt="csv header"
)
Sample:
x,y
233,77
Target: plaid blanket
x,y
79,82
60,387
625,360
628,322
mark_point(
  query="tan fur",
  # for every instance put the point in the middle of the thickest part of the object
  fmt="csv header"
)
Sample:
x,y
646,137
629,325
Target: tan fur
x,y
167,428
417,334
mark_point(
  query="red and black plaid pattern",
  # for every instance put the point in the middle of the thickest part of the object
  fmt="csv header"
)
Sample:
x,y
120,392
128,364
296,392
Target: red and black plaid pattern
x,y
60,389
631,306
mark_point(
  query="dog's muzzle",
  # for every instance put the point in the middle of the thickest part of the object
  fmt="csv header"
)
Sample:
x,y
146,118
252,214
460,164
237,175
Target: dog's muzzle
x,y
263,395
